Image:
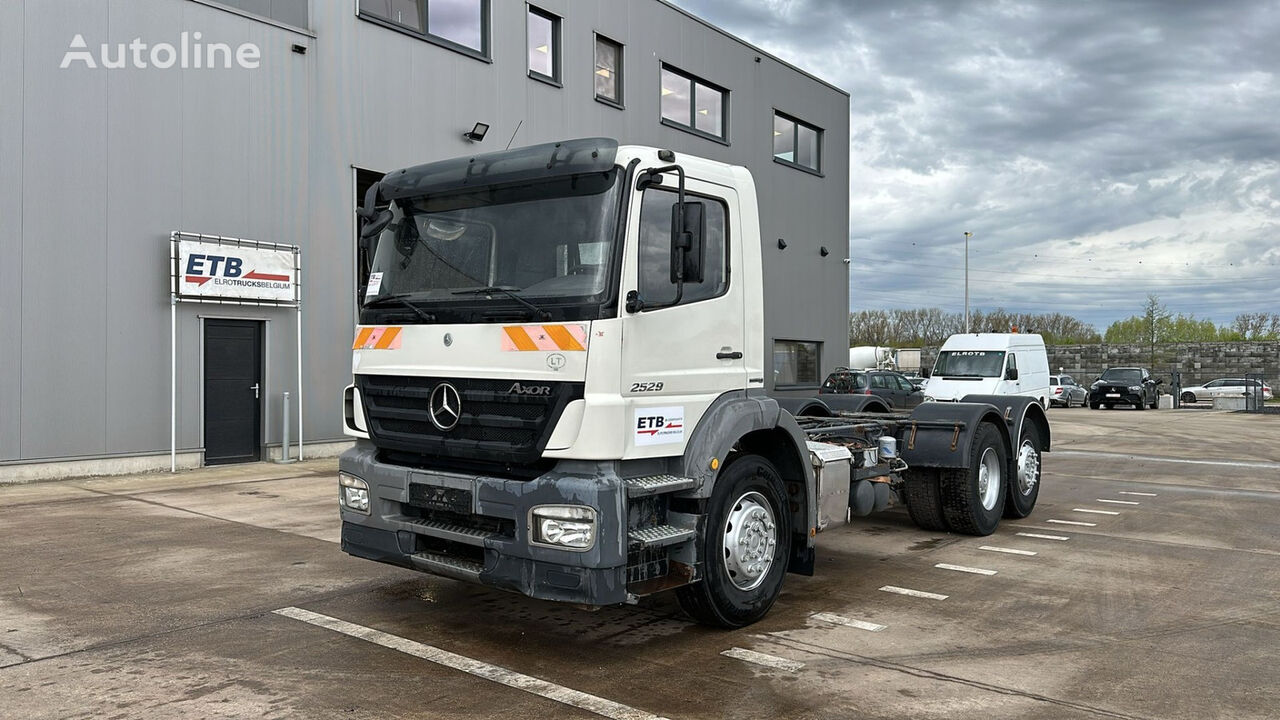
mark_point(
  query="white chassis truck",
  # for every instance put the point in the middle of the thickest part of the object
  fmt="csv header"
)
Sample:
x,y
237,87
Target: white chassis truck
x,y
559,391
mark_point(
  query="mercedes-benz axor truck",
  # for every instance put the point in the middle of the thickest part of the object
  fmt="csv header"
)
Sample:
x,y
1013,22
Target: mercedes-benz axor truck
x,y
559,390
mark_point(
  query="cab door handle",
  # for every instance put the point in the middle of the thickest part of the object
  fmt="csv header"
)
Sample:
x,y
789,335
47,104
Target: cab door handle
x,y
733,355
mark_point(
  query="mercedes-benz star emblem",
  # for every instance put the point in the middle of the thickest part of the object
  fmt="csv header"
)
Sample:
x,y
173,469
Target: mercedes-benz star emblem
x,y
445,406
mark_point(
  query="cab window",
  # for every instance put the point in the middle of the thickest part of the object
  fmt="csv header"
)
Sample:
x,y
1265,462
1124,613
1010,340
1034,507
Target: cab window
x,y
655,249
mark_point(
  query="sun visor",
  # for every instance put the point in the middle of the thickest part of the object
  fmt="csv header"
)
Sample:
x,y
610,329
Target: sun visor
x,y
570,157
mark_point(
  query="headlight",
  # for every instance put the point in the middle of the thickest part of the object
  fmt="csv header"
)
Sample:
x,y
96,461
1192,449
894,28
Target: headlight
x,y
353,493
928,398
1135,388
565,526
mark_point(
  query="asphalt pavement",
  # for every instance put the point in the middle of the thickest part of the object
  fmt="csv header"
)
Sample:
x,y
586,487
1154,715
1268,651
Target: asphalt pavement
x,y
1146,584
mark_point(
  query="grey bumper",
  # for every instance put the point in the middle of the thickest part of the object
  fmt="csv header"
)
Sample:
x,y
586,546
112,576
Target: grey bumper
x,y
488,539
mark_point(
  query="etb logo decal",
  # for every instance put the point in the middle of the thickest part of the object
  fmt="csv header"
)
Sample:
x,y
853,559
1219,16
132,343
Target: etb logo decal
x,y
658,426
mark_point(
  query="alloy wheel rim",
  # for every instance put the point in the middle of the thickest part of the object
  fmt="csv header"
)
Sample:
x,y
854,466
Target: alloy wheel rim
x,y
750,538
989,478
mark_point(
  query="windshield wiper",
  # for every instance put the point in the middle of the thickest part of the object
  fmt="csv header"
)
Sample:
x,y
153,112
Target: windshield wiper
x,y
402,300
538,312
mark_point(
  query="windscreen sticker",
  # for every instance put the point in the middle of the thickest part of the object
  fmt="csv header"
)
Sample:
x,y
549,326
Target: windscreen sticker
x,y
377,338
659,425
375,285
544,338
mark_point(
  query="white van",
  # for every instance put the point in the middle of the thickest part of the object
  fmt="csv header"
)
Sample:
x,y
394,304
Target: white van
x,y
990,364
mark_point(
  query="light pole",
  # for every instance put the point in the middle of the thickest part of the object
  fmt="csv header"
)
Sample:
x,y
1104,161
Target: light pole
x,y
967,235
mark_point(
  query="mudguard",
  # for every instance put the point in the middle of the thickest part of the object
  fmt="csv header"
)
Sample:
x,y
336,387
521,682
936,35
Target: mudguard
x,y
940,434
848,402
1018,410
731,417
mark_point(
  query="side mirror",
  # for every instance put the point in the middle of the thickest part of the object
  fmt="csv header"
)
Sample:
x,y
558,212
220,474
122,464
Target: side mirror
x,y
1011,374
688,249
916,387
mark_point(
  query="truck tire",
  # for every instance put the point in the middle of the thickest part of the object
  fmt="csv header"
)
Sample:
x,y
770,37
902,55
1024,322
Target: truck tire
x,y
1024,483
924,500
973,498
744,547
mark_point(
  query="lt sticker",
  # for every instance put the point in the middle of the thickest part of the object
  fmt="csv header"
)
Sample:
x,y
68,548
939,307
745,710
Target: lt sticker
x,y
659,425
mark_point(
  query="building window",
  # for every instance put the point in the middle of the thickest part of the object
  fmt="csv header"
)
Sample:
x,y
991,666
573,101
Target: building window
x,y
656,285
544,45
455,24
796,143
694,104
608,71
795,362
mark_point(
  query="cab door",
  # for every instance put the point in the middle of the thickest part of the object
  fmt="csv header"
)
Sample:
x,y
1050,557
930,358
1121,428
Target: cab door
x,y
1007,386
678,358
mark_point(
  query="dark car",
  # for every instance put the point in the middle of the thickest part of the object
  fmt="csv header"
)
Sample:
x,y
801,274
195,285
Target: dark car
x,y
894,387
1125,386
1066,392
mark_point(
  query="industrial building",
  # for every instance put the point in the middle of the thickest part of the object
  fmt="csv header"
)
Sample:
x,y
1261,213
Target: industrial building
x,y
123,123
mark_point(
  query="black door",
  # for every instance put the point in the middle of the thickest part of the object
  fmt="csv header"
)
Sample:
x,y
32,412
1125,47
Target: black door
x,y
232,388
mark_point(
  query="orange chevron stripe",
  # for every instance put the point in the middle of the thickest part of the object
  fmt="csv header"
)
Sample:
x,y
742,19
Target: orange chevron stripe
x,y
520,338
561,336
388,337
361,338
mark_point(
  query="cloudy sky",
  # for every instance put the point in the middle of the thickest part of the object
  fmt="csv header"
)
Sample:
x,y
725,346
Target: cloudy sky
x,y
1098,151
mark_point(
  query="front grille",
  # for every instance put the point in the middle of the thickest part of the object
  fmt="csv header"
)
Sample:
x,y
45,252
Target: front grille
x,y
494,426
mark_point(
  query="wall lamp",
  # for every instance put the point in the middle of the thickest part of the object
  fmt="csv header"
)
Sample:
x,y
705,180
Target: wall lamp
x,y
477,133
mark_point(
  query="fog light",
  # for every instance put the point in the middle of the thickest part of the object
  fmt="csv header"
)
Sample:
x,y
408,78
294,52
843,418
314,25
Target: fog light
x,y
353,493
566,526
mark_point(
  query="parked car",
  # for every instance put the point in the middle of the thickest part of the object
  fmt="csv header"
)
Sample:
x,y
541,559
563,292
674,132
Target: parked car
x,y
894,387
1066,392
1224,387
1125,386
990,364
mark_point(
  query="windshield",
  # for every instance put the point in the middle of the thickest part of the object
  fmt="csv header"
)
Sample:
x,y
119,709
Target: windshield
x,y
970,363
1119,375
530,248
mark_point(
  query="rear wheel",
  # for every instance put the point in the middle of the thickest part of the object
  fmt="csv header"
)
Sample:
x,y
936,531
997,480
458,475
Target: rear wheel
x,y
1024,487
745,547
924,500
973,498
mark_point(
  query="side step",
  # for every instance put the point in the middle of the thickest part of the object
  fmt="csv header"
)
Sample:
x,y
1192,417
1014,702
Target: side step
x,y
452,567
658,536
446,531
658,484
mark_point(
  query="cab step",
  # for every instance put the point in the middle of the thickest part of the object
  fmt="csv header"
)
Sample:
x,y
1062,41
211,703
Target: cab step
x,y
447,531
658,536
452,567
658,485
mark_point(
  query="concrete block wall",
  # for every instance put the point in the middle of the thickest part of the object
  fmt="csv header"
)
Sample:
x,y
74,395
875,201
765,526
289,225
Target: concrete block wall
x,y
1198,362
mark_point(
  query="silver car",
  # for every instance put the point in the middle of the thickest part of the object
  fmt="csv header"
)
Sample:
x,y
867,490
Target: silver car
x,y
1224,387
1065,391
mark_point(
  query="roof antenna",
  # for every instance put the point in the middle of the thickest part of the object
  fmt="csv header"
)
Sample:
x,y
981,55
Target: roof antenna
x,y
513,135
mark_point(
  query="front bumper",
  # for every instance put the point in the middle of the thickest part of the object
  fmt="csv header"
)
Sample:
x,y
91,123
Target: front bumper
x,y
485,536
1111,396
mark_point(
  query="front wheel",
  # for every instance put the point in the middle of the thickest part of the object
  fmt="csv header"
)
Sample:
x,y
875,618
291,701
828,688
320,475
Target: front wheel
x,y
745,547
1188,398
973,498
1025,485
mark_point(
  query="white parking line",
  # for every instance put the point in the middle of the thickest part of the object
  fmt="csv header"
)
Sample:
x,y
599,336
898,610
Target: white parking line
x,y
1118,502
1041,536
847,622
1072,522
510,678
771,661
913,593
1095,512
1010,551
1224,463
962,568
1139,494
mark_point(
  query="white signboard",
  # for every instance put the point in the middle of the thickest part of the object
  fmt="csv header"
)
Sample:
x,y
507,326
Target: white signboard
x,y
227,272
659,425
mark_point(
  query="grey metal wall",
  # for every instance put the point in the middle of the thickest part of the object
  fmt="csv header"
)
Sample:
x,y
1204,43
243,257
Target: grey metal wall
x,y
98,166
